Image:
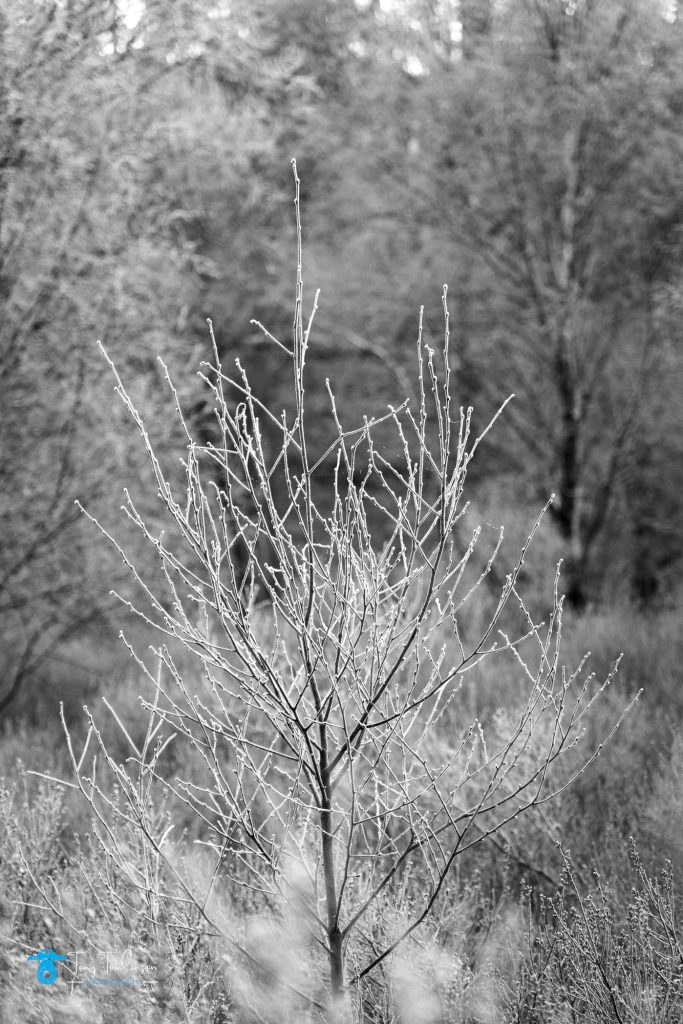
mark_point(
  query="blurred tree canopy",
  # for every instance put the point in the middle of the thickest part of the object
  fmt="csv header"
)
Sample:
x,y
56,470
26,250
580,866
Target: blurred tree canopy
x,y
526,152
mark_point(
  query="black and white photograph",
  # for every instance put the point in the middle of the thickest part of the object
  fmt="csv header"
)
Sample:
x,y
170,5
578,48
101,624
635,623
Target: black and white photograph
x,y
341,512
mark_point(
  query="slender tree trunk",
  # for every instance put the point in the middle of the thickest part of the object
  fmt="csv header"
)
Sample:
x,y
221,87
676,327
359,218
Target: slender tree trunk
x,y
334,936
568,373
569,512
569,517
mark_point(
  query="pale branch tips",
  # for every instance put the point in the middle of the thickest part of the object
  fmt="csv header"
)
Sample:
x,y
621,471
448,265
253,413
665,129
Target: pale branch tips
x,y
316,689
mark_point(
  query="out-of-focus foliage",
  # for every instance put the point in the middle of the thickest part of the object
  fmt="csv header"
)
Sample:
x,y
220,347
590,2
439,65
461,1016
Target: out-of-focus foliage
x,y
99,130
527,154
553,157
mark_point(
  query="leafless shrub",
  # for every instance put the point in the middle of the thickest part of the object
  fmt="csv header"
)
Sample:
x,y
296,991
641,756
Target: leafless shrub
x,y
318,781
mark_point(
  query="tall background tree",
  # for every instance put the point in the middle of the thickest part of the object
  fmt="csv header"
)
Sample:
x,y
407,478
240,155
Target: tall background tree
x,y
556,160
99,117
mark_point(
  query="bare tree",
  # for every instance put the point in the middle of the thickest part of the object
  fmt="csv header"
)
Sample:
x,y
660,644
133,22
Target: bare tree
x,y
332,756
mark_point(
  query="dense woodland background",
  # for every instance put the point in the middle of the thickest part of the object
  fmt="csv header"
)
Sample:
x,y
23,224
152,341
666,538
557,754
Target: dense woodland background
x,y
529,153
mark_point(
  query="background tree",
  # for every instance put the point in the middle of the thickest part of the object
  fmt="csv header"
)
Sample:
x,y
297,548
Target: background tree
x,y
556,161
95,241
